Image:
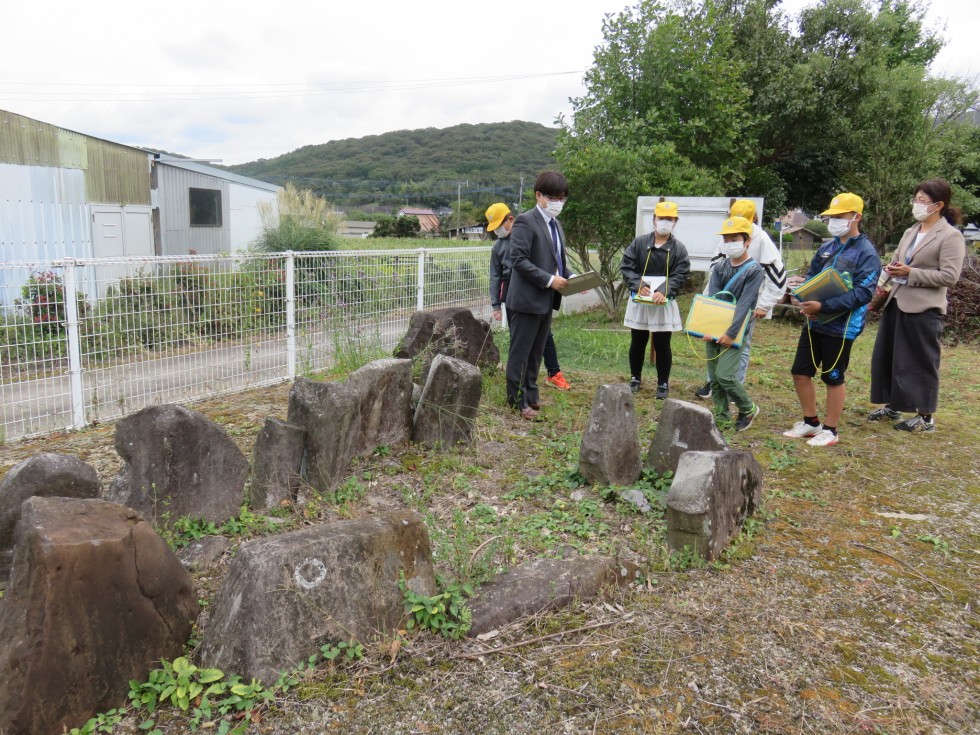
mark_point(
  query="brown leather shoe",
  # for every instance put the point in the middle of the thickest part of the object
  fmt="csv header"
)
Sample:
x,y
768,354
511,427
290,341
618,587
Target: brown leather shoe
x,y
529,414
535,406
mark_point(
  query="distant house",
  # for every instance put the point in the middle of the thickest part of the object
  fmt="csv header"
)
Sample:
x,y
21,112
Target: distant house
x,y
793,227
71,195
356,228
468,232
428,220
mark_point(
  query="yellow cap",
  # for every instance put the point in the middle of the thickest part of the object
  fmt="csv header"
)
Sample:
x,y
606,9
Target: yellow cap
x,y
736,226
743,208
496,215
843,203
665,209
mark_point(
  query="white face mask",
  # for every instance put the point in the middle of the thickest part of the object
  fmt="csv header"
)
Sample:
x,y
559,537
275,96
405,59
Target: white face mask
x,y
838,226
501,231
664,226
554,208
921,211
732,249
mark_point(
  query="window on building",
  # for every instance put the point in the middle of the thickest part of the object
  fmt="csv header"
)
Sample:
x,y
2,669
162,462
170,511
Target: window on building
x,y
205,207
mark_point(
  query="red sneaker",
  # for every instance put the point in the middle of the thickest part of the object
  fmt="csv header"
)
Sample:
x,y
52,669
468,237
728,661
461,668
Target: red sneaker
x,y
558,381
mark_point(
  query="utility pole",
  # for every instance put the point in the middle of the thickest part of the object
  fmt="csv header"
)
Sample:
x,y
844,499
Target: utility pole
x,y
459,203
520,194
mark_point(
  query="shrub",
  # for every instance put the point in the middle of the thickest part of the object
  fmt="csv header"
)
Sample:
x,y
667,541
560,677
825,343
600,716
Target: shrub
x,y
963,312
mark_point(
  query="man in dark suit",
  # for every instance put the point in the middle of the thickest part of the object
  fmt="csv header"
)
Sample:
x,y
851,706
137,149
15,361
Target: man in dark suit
x,y
538,272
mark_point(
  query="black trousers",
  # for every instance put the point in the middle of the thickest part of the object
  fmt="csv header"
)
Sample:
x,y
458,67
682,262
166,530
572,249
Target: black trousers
x,y
528,334
638,353
905,361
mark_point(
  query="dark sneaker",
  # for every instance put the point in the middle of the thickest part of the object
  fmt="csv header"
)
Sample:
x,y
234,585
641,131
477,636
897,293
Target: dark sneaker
x,y
634,385
916,424
745,420
704,391
662,391
884,414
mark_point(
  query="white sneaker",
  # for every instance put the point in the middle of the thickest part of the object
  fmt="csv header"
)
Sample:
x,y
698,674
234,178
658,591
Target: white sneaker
x,y
802,429
823,438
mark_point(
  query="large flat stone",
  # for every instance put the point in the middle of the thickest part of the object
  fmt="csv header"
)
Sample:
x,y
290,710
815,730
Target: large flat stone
x,y
544,584
286,595
96,599
178,463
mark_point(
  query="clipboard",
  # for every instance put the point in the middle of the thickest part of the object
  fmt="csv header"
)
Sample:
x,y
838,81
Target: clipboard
x,y
582,282
654,282
826,284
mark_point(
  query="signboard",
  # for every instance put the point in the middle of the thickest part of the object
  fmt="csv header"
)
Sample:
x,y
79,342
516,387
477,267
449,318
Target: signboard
x,y
698,222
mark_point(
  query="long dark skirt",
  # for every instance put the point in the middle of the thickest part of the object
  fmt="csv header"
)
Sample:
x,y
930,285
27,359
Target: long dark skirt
x,y
905,361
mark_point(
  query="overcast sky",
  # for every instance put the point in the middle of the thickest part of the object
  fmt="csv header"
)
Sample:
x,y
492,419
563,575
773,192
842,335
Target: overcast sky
x,y
239,80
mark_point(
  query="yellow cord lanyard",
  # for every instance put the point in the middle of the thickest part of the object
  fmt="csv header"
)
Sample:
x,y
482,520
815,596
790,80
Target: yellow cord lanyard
x,y
666,271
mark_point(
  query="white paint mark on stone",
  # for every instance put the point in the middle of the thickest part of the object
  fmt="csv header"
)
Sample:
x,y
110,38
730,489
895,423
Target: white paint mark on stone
x,y
310,573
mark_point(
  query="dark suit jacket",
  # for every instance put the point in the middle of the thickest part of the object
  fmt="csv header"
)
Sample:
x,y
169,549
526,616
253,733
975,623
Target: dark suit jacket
x,y
533,264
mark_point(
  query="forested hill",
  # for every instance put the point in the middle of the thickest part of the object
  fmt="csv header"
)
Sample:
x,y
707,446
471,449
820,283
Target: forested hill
x,y
429,160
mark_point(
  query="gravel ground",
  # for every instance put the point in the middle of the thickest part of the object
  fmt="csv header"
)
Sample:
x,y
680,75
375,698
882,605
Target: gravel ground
x,y
830,618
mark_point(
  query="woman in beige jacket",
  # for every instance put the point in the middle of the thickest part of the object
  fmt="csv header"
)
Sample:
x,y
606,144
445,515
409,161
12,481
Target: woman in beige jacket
x,y
905,361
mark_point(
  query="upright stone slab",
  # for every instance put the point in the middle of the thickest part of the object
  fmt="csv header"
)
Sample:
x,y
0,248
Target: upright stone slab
x,y
453,332
96,599
682,427
709,499
384,388
610,450
450,399
330,414
286,595
44,475
544,584
178,463
277,464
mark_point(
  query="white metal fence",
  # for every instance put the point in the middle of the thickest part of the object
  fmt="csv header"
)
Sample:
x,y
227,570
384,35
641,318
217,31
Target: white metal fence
x,y
90,340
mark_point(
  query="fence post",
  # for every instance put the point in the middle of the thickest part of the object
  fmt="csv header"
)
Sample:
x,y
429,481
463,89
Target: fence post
x,y
74,347
420,300
290,314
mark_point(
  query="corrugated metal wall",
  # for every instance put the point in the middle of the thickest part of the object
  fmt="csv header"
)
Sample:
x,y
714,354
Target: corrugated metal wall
x,y
177,235
114,174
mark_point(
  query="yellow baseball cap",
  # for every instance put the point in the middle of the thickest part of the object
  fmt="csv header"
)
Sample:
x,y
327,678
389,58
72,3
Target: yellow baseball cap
x,y
496,215
736,226
743,208
843,203
665,209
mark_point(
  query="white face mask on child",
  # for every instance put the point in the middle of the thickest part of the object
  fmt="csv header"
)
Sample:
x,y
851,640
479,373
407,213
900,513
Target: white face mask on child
x,y
838,226
664,226
732,249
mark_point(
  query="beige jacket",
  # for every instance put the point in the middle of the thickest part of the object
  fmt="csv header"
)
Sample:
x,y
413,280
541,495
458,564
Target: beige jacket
x,y
935,266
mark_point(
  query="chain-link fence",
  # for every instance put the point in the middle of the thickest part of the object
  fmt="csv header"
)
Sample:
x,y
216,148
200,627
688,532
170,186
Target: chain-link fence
x,y
89,340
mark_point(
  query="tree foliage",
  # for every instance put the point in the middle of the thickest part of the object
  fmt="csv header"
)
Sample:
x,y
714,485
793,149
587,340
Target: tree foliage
x,y
741,98
391,226
420,167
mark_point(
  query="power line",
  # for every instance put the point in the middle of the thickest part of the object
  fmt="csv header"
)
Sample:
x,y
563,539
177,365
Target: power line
x,y
273,90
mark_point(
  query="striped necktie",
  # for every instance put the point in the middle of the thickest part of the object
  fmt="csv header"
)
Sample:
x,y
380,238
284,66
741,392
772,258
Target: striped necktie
x,y
555,241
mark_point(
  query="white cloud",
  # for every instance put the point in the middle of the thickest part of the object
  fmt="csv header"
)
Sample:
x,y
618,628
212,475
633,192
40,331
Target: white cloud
x,y
236,81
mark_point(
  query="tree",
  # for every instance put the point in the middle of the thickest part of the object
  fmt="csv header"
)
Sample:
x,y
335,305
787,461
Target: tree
x,y
670,75
604,181
391,226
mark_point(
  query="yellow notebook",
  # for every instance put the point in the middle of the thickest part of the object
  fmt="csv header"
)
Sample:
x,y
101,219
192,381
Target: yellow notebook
x,y
711,317
826,284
